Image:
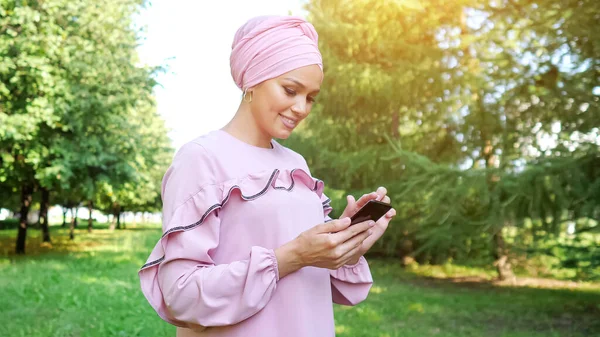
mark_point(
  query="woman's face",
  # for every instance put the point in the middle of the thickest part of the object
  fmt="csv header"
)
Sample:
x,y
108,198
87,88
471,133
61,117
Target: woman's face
x,y
280,104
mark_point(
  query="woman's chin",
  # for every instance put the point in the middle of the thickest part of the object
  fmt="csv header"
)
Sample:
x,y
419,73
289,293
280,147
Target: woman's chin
x,y
282,133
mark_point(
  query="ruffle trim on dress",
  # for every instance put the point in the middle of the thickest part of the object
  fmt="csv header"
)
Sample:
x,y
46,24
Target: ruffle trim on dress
x,y
199,207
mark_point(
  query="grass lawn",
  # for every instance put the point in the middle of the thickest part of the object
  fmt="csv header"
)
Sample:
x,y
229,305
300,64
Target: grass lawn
x,y
89,287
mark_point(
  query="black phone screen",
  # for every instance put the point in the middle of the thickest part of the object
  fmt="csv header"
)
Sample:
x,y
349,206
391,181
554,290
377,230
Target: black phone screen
x,y
372,210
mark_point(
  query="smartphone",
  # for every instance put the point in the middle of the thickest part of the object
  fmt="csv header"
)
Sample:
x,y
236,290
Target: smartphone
x,y
372,210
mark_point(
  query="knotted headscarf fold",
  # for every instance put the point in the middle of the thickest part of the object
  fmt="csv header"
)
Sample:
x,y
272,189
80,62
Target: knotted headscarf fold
x,y
266,47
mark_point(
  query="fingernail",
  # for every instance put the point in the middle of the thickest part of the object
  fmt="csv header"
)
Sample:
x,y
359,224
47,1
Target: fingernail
x,y
370,232
345,221
371,223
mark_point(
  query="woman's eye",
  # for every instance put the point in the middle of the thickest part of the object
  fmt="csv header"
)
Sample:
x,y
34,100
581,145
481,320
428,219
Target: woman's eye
x,y
289,91
310,99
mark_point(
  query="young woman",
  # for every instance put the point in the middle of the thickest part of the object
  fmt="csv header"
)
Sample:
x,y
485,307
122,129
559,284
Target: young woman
x,y
248,247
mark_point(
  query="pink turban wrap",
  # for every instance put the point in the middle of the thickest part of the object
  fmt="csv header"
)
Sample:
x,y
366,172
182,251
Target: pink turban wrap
x,y
266,47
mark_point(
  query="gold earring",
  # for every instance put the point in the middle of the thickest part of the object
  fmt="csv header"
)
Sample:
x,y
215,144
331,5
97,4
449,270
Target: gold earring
x,y
245,95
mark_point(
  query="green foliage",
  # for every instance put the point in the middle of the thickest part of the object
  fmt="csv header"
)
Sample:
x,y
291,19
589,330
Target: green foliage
x,y
77,114
9,224
385,74
491,110
460,207
578,253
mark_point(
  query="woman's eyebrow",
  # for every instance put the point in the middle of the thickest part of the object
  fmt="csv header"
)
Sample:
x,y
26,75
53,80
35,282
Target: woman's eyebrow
x,y
299,83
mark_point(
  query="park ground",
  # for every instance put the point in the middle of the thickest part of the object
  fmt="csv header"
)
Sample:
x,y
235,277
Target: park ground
x,y
89,287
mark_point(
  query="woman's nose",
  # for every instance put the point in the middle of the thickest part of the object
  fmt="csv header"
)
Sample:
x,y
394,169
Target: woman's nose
x,y
300,108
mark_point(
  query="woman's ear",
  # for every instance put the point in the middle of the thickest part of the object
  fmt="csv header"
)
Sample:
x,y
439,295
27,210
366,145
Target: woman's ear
x,y
248,94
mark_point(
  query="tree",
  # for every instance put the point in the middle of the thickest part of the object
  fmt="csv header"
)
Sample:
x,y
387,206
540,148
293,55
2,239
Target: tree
x,y
70,77
385,73
30,93
480,91
390,70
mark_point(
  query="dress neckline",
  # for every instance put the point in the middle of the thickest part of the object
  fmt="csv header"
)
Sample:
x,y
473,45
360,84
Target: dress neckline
x,y
243,143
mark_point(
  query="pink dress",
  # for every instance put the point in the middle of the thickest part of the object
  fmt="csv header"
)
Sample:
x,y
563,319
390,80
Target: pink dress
x,y
227,206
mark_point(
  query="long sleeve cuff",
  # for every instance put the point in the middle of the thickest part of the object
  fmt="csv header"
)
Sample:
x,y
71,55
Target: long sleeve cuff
x,y
350,285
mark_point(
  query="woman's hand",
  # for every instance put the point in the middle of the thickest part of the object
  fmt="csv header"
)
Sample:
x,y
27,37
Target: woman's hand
x,y
380,226
329,245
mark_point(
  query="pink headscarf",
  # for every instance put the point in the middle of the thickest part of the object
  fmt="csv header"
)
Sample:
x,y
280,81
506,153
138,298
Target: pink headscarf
x,y
266,47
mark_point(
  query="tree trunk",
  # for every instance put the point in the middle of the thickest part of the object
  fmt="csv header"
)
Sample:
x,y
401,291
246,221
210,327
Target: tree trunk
x,y
65,210
502,261
45,204
118,216
75,216
26,192
122,211
90,219
500,252
113,221
72,227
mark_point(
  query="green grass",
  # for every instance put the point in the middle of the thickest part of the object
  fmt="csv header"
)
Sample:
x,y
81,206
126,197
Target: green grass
x,y
90,287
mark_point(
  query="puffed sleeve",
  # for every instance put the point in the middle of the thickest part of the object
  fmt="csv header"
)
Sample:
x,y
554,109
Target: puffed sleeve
x,y
180,279
350,285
